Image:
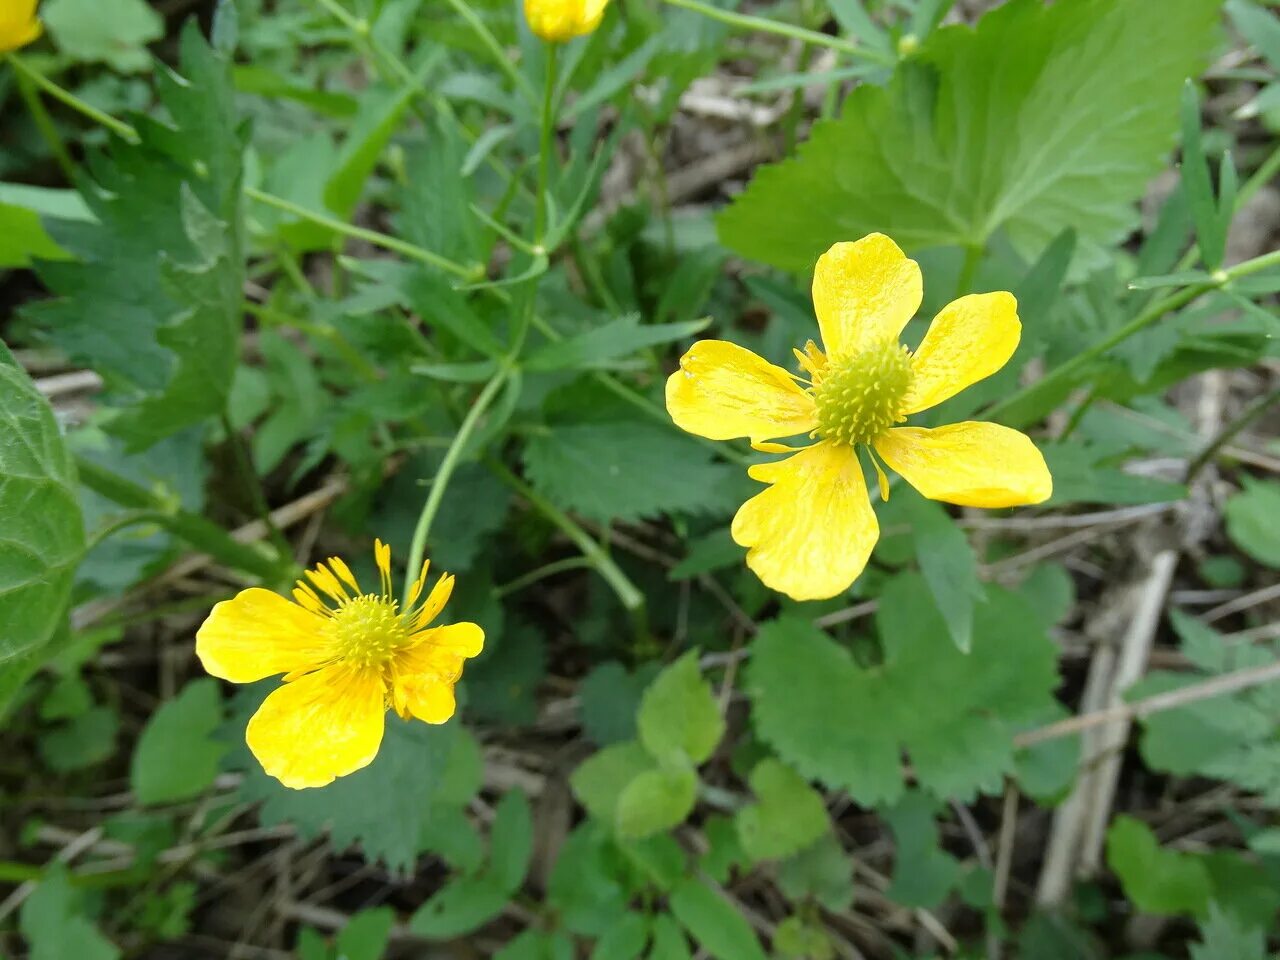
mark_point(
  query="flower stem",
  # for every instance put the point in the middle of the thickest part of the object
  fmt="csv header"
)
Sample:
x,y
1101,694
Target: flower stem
x,y
118,127
452,456
748,22
545,144
628,595
490,43
1021,407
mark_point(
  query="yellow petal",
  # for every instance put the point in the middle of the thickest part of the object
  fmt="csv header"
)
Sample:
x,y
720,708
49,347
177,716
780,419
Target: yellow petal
x,y
970,339
864,292
810,534
18,24
423,675
319,727
258,633
972,464
435,602
722,391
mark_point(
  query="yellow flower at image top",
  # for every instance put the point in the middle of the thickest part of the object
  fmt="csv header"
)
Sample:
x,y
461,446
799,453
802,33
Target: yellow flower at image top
x,y
347,656
559,21
18,24
810,533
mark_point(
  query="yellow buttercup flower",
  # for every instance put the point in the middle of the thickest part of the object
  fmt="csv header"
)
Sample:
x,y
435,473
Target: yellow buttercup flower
x,y
346,655
18,24
559,21
810,533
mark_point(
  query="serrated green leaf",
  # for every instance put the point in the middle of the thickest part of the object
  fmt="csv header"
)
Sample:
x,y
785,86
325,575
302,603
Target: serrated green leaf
x,y
385,807
1155,879
600,779
948,565
625,940
366,935
822,871
846,725
461,906
789,816
952,150
511,840
654,801
611,471
609,698
679,717
43,536
176,757
661,859
54,925
714,925
1223,936
923,873
115,32
1251,520
153,302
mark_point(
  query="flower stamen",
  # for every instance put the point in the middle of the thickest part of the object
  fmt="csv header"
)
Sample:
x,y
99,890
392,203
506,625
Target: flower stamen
x,y
860,397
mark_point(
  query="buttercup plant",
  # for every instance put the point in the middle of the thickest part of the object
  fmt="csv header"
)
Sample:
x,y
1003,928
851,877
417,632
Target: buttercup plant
x,y
558,21
346,655
810,534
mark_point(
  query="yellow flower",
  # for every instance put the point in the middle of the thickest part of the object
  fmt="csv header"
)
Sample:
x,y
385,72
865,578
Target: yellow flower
x,y
344,662
18,24
810,533
561,20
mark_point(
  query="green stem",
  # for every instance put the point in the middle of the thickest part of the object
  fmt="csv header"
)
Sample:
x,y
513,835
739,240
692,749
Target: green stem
x,y
545,144
387,242
969,271
193,528
131,519
541,573
1230,431
118,127
747,22
452,456
631,598
44,123
490,43
1060,377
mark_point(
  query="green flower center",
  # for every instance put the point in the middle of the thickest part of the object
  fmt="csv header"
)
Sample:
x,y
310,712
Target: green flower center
x,y
860,397
368,629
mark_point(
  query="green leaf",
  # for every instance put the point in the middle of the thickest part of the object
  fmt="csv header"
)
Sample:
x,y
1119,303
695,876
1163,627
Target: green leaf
x,y
1156,880
115,32
1258,27
668,940
386,807
789,816
714,925
153,302
461,906
616,339
511,840
654,801
366,935
679,717
846,725
1251,520
605,471
54,925
948,565
625,939
1223,936
609,698
378,117
923,873
43,536
176,757
600,779
952,151
23,238
821,872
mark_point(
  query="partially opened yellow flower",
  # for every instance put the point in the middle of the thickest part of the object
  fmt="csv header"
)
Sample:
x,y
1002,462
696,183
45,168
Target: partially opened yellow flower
x,y
559,21
345,660
810,533
18,24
